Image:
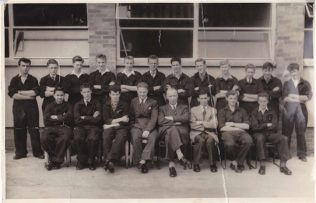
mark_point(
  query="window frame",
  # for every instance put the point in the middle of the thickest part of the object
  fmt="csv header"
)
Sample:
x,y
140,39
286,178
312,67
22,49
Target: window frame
x,y
309,61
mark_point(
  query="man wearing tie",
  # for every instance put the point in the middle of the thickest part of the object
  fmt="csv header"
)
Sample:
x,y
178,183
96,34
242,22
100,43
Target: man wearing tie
x,y
173,122
203,124
143,120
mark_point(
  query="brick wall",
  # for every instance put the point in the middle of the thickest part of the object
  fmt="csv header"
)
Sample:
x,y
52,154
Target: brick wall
x,y
102,33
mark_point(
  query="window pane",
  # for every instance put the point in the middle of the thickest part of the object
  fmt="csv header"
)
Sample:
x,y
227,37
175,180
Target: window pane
x,y
308,44
235,15
6,43
6,16
230,44
156,10
50,14
157,23
309,20
164,43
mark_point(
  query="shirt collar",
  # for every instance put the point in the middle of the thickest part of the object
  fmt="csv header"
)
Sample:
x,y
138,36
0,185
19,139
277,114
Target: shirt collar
x,y
21,75
128,74
175,105
140,100
249,80
86,102
227,77
263,110
53,77
78,75
153,74
105,71
204,107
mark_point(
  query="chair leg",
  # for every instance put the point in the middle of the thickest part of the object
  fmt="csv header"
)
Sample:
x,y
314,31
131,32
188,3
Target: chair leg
x,y
126,153
68,157
130,155
46,157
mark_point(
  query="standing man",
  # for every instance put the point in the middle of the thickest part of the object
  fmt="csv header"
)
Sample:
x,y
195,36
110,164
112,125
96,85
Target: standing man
x,y
173,121
115,125
179,81
56,136
143,120
49,82
87,116
74,80
203,124
233,123
202,80
272,86
296,92
23,89
128,80
101,79
264,124
223,84
154,79
249,88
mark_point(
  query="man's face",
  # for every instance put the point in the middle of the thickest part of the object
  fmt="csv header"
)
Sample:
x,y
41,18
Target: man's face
x,y
172,96
77,65
52,68
263,102
59,96
115,96
101,63
24,67
176,67
225,69
142,92
201,67
267,72
129,63
86,93
294,73
250,72
153,64
232,100
203,99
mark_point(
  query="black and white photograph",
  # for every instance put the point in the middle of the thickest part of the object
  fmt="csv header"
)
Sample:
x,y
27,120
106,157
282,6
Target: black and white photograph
x,y
155,101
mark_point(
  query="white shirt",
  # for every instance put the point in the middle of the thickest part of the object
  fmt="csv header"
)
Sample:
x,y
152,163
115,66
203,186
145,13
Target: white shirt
x,y
128,74
142,100
105,71
153,74
173,107
23,78
86,102
249,80
78,75
296,82
226,77
263,110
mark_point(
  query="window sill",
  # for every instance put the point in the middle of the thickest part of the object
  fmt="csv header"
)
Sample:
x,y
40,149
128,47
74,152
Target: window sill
x,y
42,61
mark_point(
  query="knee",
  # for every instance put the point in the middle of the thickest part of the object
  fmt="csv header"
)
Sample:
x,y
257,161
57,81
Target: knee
x,y
198,140
259,139
247,140
210,141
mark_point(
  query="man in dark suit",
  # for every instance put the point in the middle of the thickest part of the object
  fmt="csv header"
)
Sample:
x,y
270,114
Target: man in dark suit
x,y
143,120
87,116
173,123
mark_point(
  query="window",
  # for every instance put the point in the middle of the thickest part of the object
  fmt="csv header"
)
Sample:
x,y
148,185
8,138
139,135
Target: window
x,y
6,33
308,32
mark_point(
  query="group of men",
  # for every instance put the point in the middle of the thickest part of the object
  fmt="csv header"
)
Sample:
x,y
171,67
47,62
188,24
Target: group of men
x,y
81,110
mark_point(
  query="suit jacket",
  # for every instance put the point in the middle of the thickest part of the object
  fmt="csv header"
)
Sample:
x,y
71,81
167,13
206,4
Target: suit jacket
x,y
144,117
210,121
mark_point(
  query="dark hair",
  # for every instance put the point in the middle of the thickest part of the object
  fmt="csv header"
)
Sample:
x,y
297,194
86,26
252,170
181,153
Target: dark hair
x,y
142,84
251,66
293,66
59,89
268,65
203,91
153,56
264,94
85,85
51,61
115,88
175,59
199,60
25,60
101,56
77,58
231,92
128,58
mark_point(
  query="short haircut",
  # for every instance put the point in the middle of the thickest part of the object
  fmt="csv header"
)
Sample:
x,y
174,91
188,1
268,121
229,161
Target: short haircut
x,y
231,92
142,84
59,89
250,66
200,60
115,88
155,57
267,65
175,59
85,85
224,62
263,94
51,61
101,56
25,60
171,89
129,58
293,66
204,91
77,58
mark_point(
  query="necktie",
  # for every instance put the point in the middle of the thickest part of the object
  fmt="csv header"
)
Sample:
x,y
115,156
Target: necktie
x,y
204,113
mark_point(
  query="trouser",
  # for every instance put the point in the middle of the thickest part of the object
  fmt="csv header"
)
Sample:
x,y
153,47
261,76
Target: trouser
x,y
55,141
138,152
237,145
86,139
274,138
113,150
200,141
295,115
26,116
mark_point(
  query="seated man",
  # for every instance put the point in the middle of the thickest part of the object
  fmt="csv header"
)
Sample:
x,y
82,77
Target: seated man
x,y
233,122
143,119
264,124
203,124
57,133
87,116
115,118
173,122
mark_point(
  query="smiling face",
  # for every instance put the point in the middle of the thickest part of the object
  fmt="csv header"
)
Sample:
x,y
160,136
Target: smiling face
x,y
59,96
225,69
152,64
142,92
203,99
24,68
129,63
232,100
176,67
101,63
250,72
172,96
200,67
295,74
86,93
263,102
267,73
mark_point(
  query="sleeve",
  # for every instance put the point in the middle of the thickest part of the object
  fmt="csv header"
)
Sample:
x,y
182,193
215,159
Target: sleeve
x,y
153,118
77,115
241,89
274,122
35,86
131,114
46,115
189,87
12,89
67,116
254,123
245,117
308,90
42,87
67,84
194,93
92,119
217,86
213,121
221,118
138,78
212,82
276,94
161,118
193,124
125,113
119,79
183,117
106,115
285,90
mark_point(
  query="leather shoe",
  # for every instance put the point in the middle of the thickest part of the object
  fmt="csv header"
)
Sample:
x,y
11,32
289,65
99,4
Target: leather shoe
x,y
213,168
262,170
143,168
303,158
92,166
196,168
285,170
185,163
80,166
109,166
49,166
40,156
56,165
172,172
238,168
16,157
